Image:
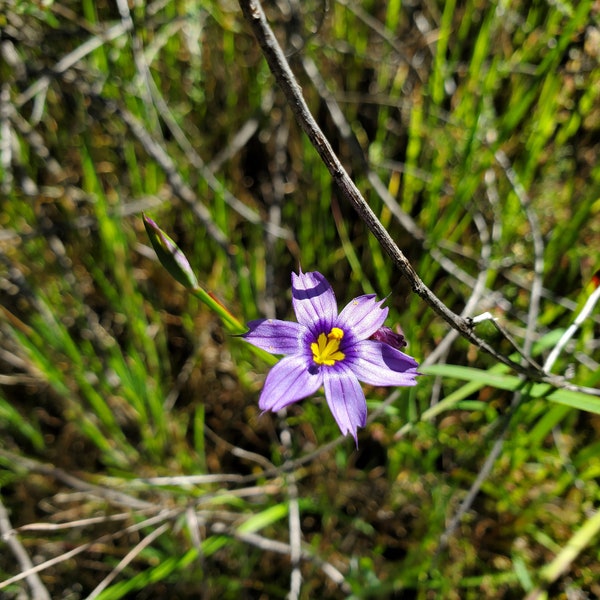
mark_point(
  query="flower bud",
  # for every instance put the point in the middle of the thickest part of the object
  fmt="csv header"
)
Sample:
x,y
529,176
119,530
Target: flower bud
x,y
169,255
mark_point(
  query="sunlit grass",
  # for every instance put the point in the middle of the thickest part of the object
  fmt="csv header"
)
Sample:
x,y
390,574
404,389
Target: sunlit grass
x,y
117,383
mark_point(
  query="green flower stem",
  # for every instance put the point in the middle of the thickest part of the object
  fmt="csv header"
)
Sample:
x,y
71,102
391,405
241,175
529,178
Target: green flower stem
x,y
229,321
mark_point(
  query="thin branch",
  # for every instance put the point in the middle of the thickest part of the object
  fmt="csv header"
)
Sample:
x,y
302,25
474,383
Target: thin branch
x,y
163,516
268,545
111,496
402,53
293,519
5,140
571,330
282,72
479,290
69,525
538,248
482,476
70,60
178,185
38,590
273,192
532,317
144,543
207,173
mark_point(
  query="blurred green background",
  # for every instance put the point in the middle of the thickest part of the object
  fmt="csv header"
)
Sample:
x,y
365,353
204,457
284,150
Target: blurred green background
x,y
134,462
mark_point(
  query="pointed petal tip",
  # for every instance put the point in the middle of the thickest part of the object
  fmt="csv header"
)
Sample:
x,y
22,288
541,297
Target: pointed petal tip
x,y
275,336
363,316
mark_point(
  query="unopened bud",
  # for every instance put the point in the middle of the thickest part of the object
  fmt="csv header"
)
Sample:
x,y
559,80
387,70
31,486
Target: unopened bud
x,y
169,255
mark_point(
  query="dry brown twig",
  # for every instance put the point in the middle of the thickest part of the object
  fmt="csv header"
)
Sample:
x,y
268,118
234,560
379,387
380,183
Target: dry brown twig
x,y
284,76
38,590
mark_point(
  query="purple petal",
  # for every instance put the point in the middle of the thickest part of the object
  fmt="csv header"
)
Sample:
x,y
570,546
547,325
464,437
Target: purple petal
x,y
275,336
313,300
346,399
362,316
377,363
289,381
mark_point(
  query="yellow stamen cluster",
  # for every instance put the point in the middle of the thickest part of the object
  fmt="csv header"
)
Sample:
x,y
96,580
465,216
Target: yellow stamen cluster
x,y
326,350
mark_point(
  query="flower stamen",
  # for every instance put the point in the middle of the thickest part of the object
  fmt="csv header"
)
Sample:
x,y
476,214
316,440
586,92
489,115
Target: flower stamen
x,y
326,350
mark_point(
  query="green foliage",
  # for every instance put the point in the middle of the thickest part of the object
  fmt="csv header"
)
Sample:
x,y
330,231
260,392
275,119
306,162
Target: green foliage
x,y
132,449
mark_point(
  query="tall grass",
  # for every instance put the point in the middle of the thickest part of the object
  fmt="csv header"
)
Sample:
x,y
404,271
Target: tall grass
x,y
135,460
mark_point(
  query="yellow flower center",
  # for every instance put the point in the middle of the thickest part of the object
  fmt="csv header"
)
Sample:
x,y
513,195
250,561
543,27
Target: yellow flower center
x,y
326,350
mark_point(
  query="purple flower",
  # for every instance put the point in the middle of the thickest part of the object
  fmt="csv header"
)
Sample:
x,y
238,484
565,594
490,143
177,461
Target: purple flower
x,y
332,350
